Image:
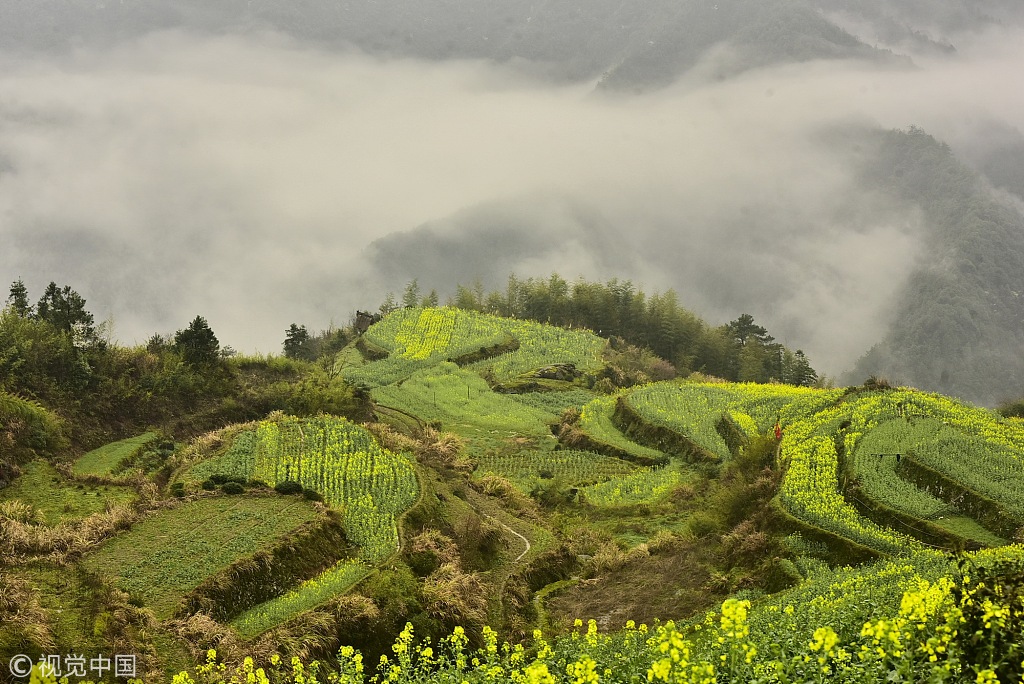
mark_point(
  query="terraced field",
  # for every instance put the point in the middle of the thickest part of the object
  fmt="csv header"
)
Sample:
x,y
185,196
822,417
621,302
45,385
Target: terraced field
x,y
694,410
417,338
336,458
968,448
572,468
596,422
211,533
57,500
104,460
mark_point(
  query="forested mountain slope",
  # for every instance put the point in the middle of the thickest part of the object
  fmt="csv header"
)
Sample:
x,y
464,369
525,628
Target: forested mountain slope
x,y
959,323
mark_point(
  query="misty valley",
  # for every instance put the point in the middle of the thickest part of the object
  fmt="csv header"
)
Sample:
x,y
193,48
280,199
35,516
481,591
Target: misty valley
x,y
504,341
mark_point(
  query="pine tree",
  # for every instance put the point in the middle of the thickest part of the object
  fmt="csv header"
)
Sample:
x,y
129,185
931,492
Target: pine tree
x,y
18,299
197,344
411,296
296,342
389,304
64,309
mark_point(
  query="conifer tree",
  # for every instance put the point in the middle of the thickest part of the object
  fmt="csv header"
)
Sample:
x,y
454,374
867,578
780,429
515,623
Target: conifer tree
x,y
18,299
197,344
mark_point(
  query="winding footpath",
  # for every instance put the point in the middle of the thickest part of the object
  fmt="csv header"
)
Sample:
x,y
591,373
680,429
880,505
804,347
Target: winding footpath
x,y
525,540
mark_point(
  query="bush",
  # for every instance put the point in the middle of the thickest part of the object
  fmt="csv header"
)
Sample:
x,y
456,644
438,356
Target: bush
x,y
311,495
209,485
702,524
178,489
288,487
232,488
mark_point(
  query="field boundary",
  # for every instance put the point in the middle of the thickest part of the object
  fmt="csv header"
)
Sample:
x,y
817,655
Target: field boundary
x,y
989,514
635,426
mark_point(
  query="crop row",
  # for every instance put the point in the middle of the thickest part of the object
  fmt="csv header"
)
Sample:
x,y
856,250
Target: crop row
x,y
916,620
450,394
574,468
596,422
809,490
336,458
417,338
307,595
973,446
643,486
694,409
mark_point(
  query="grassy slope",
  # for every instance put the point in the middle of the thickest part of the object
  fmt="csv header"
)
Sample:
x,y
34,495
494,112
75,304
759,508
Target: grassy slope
x,y
103,460
60,500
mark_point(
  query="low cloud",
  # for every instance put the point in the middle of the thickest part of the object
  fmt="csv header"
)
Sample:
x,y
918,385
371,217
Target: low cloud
x,y
260,183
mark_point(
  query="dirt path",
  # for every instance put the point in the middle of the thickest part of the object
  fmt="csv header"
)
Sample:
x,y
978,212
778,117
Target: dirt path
x,y
525,540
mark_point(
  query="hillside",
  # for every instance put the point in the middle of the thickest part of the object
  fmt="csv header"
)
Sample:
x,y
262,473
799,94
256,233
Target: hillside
x,y
501,485
634,46
960,316
628,46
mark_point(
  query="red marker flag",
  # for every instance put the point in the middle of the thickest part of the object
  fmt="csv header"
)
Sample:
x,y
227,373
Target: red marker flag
x,y
778,431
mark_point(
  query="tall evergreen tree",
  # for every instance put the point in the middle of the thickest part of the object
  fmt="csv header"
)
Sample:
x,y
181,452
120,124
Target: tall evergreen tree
x,y
411,295
64,309
197,344
388,305
18,299
296,343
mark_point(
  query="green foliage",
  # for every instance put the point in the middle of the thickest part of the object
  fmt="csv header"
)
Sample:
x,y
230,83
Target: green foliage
x,y
458,397
909,621
694,409
18,299
527,470
64,309
644,486
26,430
656,322
296,343
419,338
197,344
595,421
554,403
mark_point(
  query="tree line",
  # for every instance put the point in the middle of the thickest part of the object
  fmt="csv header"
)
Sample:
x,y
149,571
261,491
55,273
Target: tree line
x,y
53,353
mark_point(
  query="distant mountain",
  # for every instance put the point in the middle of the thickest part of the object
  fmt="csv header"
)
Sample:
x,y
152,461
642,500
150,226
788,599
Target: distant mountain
x,y
629,45
959,323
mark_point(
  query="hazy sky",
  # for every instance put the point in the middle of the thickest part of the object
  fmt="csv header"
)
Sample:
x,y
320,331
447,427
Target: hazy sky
x,y
245,179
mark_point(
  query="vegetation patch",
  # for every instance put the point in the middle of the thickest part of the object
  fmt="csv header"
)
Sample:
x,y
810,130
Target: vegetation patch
x,y
105,460
565,467
169,554
662,438
338,460
270,571
308,595
55,499
595,430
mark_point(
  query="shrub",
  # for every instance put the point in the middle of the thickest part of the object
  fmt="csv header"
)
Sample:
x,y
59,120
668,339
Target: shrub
x,y
209,485
288,487
178,489
232,488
